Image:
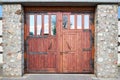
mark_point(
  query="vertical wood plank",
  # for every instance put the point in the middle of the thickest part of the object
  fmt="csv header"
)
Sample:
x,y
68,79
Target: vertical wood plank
x,y
75,20
35,24
83,22
50,24
42,24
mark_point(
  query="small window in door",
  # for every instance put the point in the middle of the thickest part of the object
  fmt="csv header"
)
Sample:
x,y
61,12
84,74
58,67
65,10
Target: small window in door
x,y
72,22
86,21
39,25
53,24
79,22
46,24
31,30
65,21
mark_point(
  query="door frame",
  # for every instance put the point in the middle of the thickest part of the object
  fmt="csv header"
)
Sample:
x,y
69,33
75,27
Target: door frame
x,y
57,9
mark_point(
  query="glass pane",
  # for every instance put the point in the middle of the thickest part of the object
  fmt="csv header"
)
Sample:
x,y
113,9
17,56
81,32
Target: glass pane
x,y
0,11
65,21
86,22
119,12
79,22
39,25
46,24
31,25
53,24
72,22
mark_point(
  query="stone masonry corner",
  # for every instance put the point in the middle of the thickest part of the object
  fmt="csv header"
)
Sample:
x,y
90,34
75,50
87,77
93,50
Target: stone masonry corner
x,y
12,40
106,32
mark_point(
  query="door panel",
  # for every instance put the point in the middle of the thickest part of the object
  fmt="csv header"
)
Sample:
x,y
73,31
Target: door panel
x,y
69,52
41,44
77,44
42,54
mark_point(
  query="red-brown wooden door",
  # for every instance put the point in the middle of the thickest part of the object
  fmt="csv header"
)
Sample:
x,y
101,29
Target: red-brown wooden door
x,y
59,42
41,42
77,42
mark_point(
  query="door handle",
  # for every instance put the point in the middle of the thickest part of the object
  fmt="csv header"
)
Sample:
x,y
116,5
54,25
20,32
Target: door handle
x,y
65,52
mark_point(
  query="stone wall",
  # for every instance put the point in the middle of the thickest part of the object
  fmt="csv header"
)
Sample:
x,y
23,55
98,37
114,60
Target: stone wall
x,y
119,42
106,32
13,39
106,38
1,49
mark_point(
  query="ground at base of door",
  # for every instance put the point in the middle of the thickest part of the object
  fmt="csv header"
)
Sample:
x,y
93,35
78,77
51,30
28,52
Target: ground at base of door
x,y
60,77
56,77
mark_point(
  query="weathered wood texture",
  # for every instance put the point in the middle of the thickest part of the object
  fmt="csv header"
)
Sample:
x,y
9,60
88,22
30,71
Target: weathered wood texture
x,y
71,50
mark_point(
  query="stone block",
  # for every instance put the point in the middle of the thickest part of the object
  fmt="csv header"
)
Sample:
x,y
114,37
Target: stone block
x,y
118,48
1,73
1,49
0,27
119,39
118,27
118,59
1,58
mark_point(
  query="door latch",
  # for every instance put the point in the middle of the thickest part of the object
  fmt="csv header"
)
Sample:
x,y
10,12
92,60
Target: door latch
x,y
65,52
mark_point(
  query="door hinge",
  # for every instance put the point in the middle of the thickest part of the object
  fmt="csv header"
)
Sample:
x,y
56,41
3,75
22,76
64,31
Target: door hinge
x,y
26,45
91,42
92,63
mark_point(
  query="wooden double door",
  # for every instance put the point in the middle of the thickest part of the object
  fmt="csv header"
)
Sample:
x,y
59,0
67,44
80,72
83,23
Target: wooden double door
x,y
59,42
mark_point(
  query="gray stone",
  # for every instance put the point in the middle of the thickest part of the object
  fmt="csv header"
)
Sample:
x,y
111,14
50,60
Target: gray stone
x,y
106,50
105,40
100,59
12,40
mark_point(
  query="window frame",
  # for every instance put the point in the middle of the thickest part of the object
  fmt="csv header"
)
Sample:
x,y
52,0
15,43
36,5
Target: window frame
x,y
42,34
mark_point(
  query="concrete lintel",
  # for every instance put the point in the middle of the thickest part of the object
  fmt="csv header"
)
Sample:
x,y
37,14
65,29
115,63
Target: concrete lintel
x,y
60,2
102,1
